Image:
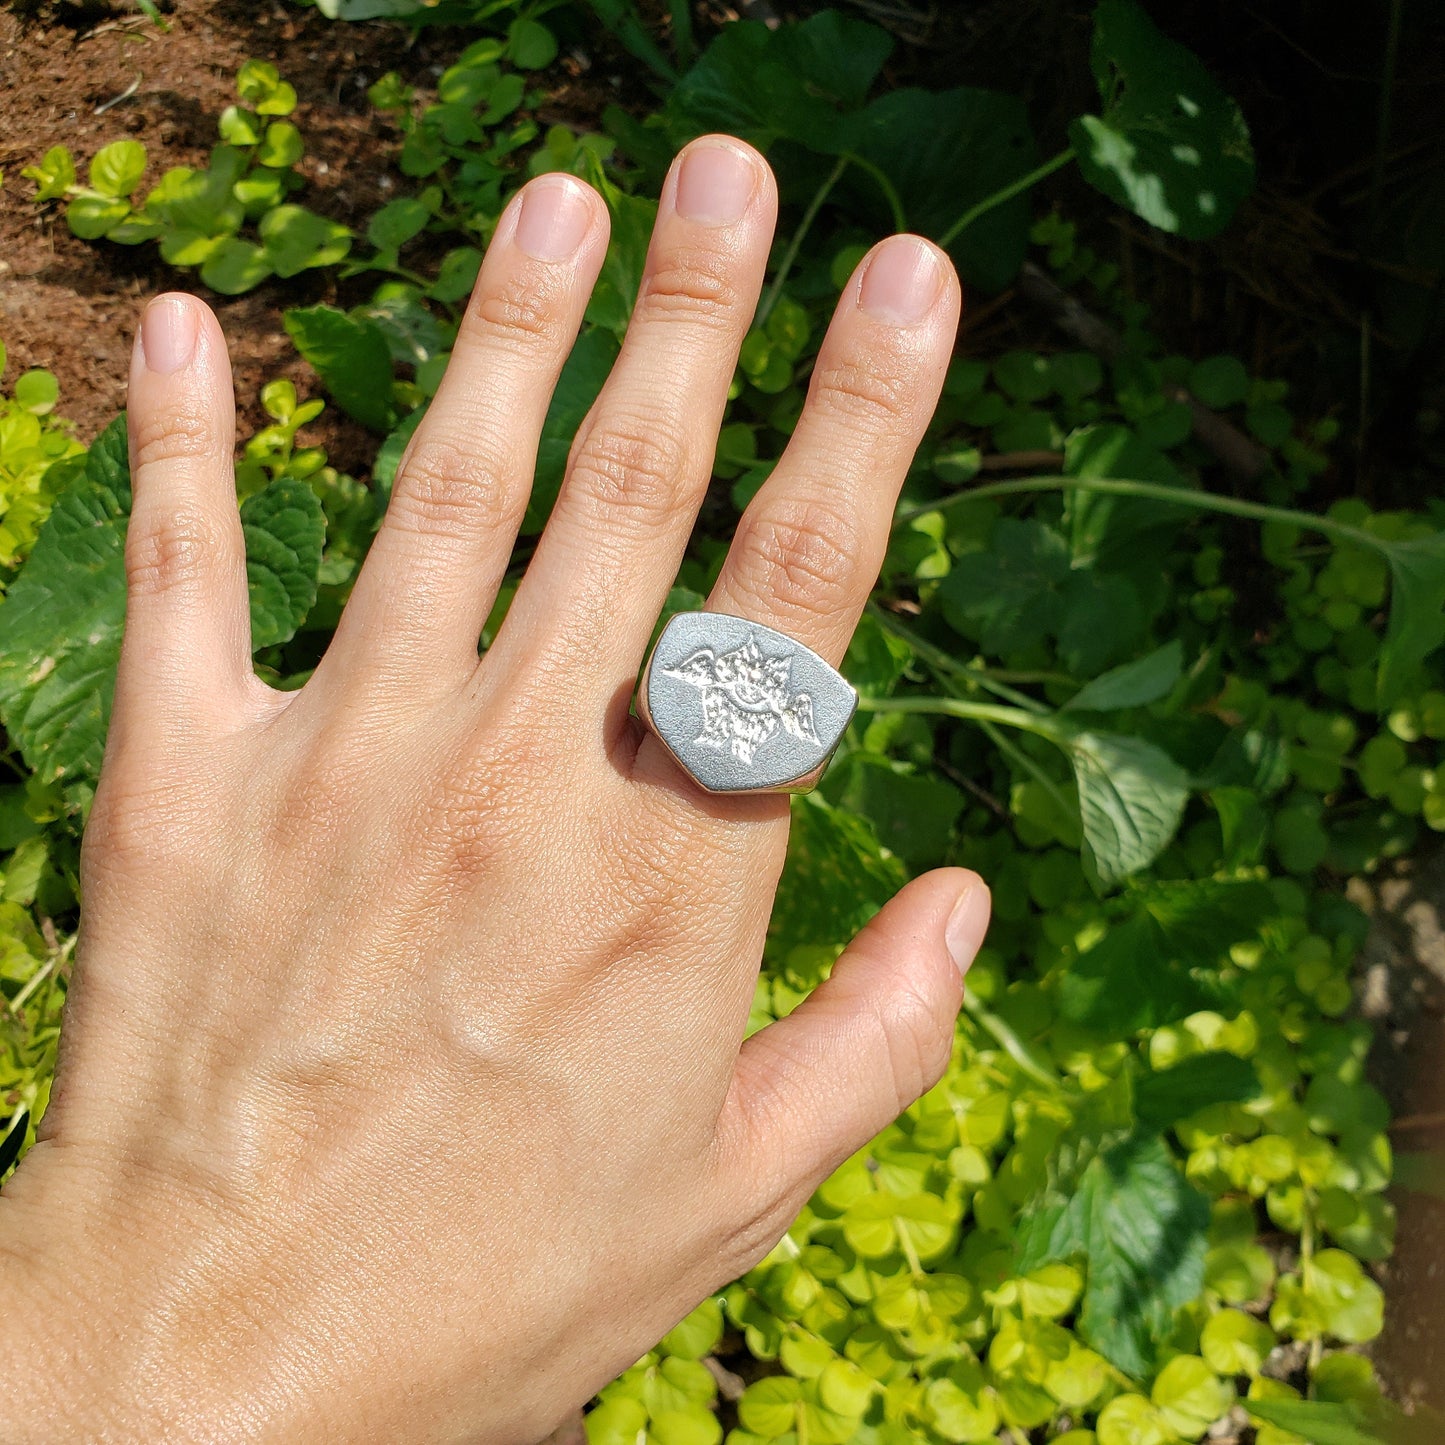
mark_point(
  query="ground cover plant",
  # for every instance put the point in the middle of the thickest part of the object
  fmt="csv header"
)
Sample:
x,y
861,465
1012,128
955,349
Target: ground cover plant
x,y
1120,660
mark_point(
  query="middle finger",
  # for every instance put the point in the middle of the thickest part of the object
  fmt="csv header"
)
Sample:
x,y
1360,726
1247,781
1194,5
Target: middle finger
x,y
643,456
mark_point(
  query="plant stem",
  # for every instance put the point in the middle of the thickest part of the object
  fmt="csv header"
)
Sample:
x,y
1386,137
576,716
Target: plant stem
x,y
1011,1043
1009,717
940,661
684,44
1154,492
1006,193
890,192
795,244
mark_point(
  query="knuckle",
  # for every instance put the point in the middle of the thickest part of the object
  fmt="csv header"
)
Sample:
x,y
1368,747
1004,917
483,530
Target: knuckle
x,y
801,558
170,551
182,434
863,395
632,468
445,489
916,1041
693,283
519,313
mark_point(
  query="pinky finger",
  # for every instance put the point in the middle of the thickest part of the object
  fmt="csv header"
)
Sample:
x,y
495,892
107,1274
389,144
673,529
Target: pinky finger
x,y
185,658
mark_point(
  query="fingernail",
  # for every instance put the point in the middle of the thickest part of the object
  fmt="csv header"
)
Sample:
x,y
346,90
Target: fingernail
x,y
168,333
715,183
902,281
967,924
554,218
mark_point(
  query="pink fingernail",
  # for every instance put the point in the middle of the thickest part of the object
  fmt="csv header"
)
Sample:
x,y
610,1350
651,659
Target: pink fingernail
x,y
715,183
901,282
168,333
554,218
967,924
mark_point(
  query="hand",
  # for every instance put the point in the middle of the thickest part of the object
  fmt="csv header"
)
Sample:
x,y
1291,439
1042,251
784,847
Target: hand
x,y
403,1092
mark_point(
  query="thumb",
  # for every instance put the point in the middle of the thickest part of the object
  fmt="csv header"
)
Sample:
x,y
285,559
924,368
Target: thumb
x,y
816,1086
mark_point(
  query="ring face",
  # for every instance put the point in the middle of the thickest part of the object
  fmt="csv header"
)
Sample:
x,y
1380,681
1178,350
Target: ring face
x,y
743,709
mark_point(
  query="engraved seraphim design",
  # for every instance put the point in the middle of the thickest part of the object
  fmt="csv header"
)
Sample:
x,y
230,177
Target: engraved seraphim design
x,y
745,696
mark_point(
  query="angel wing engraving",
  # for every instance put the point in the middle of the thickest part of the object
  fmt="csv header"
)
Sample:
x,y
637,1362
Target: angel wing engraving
x,y
745,697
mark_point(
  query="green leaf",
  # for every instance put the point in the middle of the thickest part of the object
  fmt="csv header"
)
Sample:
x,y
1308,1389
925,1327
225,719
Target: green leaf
x,y
63,618
1131,799
296,239
1124,983
350,357
698,1334
37,391
1235,1343
633,218
259,84
117,168
1171,145
944,152
531,46
1010,596
457,274
836,877
769,1407
1190,1396
285,532
90,217
182,246
239,126
1141,1232
1417,613
793,81
1323,1424
1219,381
281,146
582,377
54,176
396,223
1163,1098
1134,684
235,266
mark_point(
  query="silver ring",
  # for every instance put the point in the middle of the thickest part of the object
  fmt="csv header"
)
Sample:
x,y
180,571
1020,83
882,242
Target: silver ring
x,y
743,709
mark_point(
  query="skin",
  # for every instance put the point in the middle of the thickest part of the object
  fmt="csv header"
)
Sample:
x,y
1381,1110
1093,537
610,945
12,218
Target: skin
x,y
403,1093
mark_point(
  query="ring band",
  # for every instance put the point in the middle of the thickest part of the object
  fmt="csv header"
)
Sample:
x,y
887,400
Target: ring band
x,y
742,708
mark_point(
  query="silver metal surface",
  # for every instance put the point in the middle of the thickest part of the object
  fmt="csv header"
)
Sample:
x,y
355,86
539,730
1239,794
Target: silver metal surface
x,y
743,709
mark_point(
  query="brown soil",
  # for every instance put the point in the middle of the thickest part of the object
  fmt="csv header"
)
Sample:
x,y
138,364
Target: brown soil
x,y
71,305
1403,994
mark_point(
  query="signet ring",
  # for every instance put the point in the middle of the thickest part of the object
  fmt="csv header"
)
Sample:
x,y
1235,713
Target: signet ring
x,y
741,707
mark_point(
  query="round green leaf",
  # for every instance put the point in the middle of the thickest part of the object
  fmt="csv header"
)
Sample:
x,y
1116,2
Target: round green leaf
x,y
960,1406
281,146
770,1407
530,45
1190,1396
618,1421
235,266
296,239
91,217
1235,1343
396,223
685,1427
117,168
698,1334
37,391
1219,381
1132,1420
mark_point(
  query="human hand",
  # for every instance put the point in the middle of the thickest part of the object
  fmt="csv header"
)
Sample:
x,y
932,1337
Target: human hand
x,y
403,1091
